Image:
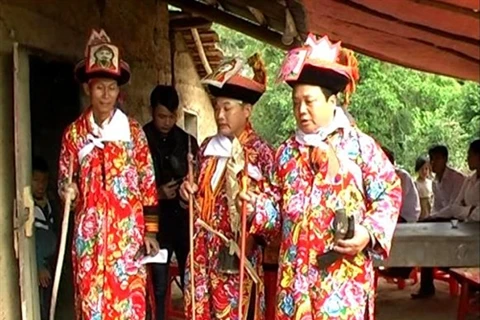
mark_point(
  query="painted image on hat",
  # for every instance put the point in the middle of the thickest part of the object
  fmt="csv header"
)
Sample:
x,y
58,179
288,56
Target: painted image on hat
x,y
293,64
103,58
224,72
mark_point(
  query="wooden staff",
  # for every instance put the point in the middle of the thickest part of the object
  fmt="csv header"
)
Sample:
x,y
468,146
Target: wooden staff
x,y
63,240
191,230
243,242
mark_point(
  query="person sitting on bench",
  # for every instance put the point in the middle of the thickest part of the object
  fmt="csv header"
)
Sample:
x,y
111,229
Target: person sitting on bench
x,y
450,195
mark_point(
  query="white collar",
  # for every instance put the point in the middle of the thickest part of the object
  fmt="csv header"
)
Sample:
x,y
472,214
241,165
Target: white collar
x,y
219,146
115,129
340,120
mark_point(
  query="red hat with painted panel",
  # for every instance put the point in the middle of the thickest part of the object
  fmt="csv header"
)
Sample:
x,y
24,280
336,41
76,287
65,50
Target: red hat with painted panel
x,y
322,63
230,81
102,60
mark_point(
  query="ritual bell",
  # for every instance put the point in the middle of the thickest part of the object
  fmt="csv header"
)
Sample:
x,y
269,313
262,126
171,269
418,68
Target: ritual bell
x,y
228,261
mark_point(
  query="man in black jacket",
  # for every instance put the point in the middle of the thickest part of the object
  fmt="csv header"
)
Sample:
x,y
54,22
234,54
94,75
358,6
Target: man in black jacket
x,y
169,148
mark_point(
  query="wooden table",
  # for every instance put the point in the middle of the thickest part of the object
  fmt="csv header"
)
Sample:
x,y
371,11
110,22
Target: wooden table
x,y
434,244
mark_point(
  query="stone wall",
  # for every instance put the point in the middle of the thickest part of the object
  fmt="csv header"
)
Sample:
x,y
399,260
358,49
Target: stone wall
x,y
139,28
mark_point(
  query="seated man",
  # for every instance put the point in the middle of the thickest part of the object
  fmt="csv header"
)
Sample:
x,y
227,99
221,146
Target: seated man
x,y
467,204
446,185
446,188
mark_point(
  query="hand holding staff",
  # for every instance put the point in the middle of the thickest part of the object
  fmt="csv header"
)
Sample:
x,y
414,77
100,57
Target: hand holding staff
x,y
69,196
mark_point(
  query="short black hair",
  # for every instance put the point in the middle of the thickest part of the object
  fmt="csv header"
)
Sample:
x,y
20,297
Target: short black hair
x,y
438,149
39,164
420,162
390,154
166,96
475,146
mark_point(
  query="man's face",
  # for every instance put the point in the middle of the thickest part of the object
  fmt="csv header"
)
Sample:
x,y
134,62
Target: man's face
x,y
104,55
311,108
39,184
103,94
231,116
163,119
473,160
438,163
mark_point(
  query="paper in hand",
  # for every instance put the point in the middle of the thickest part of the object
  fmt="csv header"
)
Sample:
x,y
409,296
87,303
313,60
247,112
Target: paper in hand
x,y
160,257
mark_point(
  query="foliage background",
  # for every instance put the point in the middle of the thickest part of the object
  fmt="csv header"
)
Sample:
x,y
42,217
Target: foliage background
x,y
405,110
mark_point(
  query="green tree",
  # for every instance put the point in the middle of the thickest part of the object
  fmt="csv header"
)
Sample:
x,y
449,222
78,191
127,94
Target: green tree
x,y
403,109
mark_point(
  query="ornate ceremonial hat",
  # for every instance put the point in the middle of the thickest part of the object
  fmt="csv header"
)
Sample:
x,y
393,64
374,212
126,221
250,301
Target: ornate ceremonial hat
x,y
322,63
230,80
102,60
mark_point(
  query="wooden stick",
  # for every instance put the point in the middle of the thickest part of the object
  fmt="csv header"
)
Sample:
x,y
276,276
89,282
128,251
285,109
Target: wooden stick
x,y
201,51
248,266
191,230
243,242
63,240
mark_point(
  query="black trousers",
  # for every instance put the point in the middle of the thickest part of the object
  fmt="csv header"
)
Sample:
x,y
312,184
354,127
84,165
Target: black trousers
x,y
45,295
174,237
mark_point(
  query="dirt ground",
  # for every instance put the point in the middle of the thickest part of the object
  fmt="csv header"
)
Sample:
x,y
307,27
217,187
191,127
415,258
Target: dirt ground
x,y
392,304
395,304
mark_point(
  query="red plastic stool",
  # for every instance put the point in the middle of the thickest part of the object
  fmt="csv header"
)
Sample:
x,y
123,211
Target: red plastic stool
x,y
170,311
452,283
400,282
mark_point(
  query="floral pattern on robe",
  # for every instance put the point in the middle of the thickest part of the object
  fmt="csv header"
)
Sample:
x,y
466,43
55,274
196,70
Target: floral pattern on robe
x,y
305,201
115,183
217,294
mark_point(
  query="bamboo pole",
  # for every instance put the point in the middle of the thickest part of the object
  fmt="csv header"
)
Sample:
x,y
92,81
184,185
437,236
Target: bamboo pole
x,y
63,240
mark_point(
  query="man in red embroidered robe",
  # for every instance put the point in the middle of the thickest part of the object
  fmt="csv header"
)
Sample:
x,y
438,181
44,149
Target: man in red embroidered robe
x,y
221,160
115,192
326,173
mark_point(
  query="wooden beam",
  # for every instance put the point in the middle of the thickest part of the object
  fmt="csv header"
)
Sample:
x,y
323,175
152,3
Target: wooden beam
x,y
356,4
269,8
190,23
260,33
451,7
201,52
259,16
175,15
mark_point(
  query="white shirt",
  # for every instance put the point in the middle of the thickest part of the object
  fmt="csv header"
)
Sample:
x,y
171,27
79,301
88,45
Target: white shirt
x,y
424,188
410,210
446,191
468,199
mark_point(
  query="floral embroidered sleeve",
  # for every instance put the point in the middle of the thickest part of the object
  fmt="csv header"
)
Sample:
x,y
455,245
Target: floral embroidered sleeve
x,y
267,217
383,195
146,178
67,154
